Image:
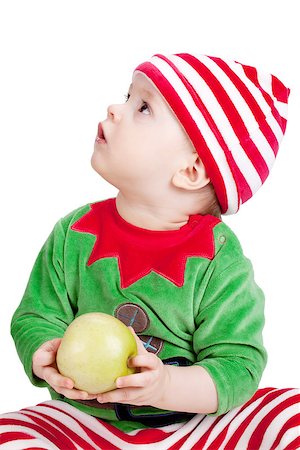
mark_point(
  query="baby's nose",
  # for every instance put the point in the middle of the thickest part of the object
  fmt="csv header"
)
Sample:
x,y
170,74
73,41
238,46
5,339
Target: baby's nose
x,y
114,112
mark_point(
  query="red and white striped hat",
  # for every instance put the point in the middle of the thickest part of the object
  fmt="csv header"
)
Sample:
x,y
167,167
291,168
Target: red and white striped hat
x,y
234,114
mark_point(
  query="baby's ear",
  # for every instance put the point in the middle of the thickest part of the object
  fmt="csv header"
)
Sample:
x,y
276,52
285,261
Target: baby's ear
x,y
193,177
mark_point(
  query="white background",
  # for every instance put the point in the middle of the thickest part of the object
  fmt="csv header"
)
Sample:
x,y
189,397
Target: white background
x,y
62,63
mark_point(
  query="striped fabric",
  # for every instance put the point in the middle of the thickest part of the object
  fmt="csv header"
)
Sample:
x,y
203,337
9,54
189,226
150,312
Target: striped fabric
x,y
234,115
269,421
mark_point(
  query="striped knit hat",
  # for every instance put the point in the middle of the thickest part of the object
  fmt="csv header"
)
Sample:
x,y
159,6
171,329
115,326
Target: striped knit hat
x,y
234,115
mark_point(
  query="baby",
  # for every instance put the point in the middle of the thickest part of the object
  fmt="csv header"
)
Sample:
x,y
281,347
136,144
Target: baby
x,y
195,139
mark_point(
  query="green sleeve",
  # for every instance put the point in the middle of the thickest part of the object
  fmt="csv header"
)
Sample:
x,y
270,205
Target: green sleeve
x,y
228,338
45,309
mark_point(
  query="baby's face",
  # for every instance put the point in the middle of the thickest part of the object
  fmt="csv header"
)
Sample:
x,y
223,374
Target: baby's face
x,y
144,143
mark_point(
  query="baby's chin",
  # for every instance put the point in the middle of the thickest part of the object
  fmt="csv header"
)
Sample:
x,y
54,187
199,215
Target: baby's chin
x,y
105,174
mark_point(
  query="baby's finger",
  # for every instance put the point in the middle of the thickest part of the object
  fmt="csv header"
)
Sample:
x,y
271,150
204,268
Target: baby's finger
x,y
54,378
149,361
44,358
54,344
73,394
135,380
51,346
139,342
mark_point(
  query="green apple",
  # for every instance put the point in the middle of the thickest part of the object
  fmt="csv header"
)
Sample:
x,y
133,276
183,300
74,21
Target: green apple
x,y
94,352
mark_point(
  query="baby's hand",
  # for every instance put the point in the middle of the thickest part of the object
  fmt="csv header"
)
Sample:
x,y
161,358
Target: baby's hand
x,y
44,366
146,387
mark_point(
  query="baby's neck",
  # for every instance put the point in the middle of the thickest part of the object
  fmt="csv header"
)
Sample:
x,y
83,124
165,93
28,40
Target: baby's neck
x,y
149,217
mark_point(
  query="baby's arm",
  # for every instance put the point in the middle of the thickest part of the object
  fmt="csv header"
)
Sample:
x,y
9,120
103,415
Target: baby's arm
x,y
45,310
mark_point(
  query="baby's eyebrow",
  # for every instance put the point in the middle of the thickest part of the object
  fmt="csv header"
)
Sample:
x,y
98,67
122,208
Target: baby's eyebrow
x,y
143,91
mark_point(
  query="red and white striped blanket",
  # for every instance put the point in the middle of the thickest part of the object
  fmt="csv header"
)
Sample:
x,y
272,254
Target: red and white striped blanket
x,y
269,421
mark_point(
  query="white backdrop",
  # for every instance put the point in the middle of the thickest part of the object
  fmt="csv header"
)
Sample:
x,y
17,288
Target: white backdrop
x,y
62,63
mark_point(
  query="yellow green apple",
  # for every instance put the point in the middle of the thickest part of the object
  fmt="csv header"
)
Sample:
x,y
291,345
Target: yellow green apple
x,y
94,352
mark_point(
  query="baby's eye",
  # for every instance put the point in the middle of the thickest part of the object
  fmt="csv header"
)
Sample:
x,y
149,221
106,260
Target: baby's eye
x,y
145,107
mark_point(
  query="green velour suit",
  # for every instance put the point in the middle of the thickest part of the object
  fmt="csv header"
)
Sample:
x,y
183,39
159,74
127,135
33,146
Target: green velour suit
x,y
189,294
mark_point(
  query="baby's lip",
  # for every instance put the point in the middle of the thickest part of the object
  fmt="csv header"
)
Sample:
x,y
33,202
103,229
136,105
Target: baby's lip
x,y
100,135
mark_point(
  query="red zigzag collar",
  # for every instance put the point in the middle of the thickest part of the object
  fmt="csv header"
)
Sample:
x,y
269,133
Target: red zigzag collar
x,y
140,251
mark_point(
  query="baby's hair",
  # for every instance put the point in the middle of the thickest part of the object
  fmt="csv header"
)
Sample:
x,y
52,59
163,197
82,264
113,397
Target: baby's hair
x,y
210,201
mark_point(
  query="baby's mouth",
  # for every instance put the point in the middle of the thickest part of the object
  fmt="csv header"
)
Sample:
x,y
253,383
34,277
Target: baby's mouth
x,y
100,136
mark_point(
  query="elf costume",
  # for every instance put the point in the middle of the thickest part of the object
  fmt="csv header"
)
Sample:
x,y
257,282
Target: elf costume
x,y
191,297
188,293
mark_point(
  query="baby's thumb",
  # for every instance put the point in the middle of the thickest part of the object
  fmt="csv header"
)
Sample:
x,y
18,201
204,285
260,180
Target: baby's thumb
x,y
54,344
46,353
139,342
